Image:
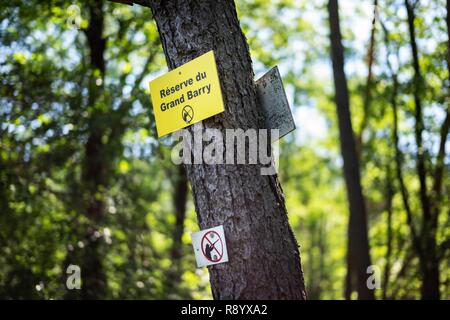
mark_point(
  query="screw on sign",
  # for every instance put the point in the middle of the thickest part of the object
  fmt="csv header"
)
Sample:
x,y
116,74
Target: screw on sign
x,y
210,246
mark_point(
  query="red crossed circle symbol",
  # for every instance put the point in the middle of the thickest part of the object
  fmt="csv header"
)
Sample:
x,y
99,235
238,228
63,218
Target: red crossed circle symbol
x,y
212,244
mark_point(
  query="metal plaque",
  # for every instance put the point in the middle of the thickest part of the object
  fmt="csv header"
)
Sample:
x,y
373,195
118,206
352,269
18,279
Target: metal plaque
x,y
274,104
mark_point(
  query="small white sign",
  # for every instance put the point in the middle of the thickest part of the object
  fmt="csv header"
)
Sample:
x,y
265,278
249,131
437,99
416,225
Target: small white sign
x,y
209,246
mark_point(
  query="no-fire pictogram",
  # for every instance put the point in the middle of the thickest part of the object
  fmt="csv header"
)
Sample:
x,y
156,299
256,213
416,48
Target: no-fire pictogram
x,y
187,114
210,246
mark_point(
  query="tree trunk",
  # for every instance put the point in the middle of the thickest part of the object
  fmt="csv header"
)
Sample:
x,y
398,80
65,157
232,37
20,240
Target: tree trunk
x,y
95,168
179,203
389,198
358,256
264,260
430,263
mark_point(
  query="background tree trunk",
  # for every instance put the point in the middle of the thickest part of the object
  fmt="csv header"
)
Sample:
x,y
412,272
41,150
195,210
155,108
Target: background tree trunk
x,y
179,203
367,98
95,165
358,257
264,260
429,263
390,192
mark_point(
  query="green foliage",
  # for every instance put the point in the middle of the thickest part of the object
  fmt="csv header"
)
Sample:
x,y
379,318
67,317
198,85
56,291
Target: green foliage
x,y
46,82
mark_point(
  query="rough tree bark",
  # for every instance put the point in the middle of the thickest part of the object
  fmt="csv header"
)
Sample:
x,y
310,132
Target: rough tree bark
x,y
264,260
429,263
358,256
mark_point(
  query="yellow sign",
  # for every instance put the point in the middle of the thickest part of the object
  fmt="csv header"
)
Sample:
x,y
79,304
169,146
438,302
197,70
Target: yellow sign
x,y
186,95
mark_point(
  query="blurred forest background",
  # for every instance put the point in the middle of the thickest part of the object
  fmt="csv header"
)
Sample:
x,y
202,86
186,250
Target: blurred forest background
x,y
85,181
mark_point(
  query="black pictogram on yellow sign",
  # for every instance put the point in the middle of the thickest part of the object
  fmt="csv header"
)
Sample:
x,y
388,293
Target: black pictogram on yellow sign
x,y
187,114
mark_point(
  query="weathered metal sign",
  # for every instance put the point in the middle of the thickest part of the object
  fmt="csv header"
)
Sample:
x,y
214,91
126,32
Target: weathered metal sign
x,y
274,104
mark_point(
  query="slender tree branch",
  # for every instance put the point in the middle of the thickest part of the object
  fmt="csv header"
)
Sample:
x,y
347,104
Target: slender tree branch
x,y
368,89
419,125
398,154
145,3
439,169
389,196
